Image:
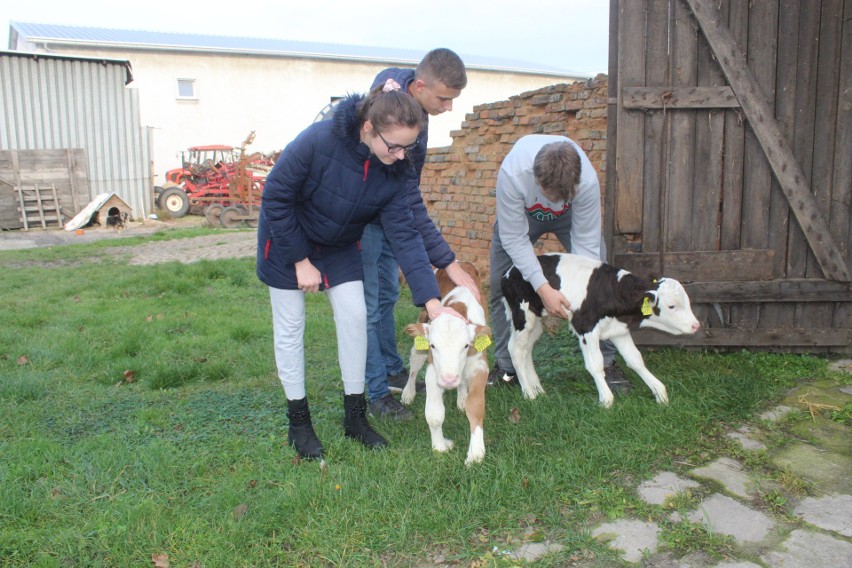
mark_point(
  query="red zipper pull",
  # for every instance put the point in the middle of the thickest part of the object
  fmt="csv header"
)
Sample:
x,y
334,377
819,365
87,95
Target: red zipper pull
x,y
366,167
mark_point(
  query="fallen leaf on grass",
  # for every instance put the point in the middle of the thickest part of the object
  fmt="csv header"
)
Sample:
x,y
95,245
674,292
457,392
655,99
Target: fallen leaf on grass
x,y
129,376
22,360
514,415
240,511
252,483
160,560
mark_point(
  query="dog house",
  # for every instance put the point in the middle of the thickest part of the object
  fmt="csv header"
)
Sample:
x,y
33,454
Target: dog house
x,y
107,209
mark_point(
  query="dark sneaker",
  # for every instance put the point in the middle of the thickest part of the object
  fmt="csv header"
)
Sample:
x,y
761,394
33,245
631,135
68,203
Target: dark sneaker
x,y
498,377
616,380
398,381
390,407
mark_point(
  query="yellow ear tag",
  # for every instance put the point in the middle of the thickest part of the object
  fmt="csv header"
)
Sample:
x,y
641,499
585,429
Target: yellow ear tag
x,y
647,310
421,343
482,342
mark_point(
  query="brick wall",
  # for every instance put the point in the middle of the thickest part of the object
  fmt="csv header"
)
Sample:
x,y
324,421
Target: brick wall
x,y
459,181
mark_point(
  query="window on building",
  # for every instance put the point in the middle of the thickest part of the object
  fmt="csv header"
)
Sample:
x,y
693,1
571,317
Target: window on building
x,y
186,89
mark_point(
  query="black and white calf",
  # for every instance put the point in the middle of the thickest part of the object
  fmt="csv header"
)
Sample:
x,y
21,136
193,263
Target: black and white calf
x,y
606,303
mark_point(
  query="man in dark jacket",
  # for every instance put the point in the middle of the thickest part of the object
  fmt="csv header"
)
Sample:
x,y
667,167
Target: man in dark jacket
x,y
437,80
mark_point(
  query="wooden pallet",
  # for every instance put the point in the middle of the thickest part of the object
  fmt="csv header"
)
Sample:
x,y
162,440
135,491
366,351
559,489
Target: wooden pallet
x,y
39,206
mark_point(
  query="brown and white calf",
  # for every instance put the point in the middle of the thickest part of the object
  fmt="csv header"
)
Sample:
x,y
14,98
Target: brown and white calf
x,y
606,303
455,350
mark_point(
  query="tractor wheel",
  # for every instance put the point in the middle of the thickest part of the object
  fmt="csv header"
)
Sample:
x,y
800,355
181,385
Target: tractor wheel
x,y
158,189
229,217
252,220
213,214
175,201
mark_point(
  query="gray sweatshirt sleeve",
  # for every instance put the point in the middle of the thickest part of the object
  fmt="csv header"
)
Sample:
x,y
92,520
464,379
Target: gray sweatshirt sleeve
x,y
513,226
586,215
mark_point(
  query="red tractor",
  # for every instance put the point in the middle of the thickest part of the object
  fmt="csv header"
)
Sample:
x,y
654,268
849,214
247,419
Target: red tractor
x,y
220,182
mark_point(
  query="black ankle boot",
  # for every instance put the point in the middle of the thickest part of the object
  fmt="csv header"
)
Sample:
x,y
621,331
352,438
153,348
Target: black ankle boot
x,y
355,423
301,431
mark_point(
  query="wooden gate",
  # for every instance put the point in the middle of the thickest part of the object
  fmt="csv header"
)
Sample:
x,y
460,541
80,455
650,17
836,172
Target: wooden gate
x,y
731,140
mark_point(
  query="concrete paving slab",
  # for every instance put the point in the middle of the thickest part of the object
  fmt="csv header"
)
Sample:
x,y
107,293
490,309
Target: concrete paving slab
x,y
729,472
777,413
832,513
744,436
631,537
826,434
724,515
841,365
664,485
807,549
532,551
828,471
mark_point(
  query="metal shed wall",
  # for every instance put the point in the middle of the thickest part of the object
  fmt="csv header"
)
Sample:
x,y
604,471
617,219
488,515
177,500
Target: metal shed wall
x,y
58,102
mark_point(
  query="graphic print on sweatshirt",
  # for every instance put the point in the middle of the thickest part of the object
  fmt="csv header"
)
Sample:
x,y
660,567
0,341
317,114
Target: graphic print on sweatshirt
x,y
542,213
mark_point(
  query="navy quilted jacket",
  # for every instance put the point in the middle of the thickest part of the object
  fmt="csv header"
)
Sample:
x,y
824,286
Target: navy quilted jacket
x,y
439,251
319,196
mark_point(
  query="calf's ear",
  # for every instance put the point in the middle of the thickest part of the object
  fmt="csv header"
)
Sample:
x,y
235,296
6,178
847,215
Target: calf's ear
x,y
415,329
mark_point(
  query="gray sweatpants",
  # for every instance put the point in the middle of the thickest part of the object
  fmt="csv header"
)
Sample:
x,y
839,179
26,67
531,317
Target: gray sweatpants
x,y
501,262
288,328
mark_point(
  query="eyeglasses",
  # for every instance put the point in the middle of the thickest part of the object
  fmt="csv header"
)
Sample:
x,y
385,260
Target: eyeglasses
x,y
393,148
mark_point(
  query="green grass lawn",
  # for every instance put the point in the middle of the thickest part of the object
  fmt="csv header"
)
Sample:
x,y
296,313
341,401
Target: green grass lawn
x,y
141,414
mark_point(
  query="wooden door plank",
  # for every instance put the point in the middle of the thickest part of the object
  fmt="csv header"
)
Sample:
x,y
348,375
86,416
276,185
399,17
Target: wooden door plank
x,y
781,338
655,153
628,166
784,165
613,242
828,94
679,187
730,224
778,229
793,290
701,266
679,98
709,155
841,183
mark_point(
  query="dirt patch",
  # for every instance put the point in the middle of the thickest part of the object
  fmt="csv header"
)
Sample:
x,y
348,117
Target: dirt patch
x,y
227,244
237,244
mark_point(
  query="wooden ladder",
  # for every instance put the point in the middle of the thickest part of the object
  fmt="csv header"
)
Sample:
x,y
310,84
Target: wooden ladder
x,y
39,205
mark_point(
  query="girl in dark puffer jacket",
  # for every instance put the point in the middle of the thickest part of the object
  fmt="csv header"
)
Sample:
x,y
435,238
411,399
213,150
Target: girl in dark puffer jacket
x,y
332,180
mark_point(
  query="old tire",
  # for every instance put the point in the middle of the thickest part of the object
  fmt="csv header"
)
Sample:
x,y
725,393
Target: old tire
x,y
175,201
158,190
213,214
231,217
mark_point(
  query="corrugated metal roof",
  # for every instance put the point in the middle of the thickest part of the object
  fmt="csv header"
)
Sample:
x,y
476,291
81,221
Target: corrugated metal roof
x,y
40,33
123,62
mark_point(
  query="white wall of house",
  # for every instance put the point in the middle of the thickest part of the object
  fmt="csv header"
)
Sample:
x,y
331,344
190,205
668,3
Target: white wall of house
x,y
274,96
